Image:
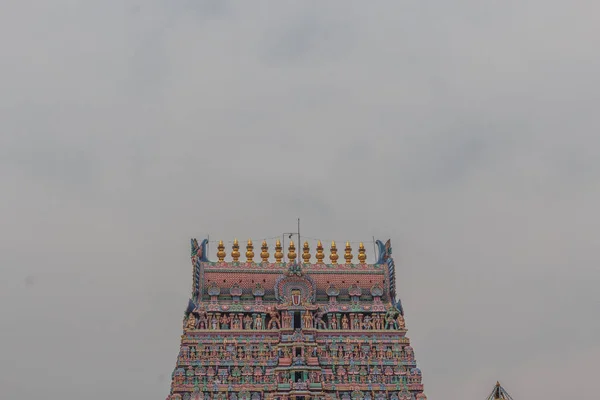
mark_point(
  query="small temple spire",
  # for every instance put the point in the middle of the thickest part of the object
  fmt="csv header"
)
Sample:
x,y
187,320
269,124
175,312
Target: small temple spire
x,y
362,256
221,251
306,253
292,251
333,256
250,251
348,253
235,251
320,255
264,252
278,252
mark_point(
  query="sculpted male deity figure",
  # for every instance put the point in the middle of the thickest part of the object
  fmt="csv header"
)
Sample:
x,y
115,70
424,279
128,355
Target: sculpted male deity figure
x,y
400,321
287,320
224,322
191,322
345,322
235,322
319,323
247,322
333,322
367,322
274,319
203,320
390,322
377,321
258,322
307,317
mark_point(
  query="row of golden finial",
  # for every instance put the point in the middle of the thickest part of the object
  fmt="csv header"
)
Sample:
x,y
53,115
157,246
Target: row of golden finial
x,y
264,253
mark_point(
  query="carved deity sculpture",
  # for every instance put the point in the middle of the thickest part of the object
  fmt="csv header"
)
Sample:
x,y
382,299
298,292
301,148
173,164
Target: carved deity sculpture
x,y
390,322
307,317
367,322
333,322
345,322
274,320
400,322
236,322
203,320
247,322
224,322
286,320
191,322
319,323
377,320
258,322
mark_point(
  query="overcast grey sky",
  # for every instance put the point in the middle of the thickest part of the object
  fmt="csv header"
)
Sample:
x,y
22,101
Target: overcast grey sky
x,y
465,131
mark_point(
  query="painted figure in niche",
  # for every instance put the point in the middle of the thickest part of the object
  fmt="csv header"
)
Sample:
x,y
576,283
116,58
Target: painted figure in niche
x,y
378,322
247,322
274,319
390,322
319,322
367,322
356,322
287,320
307,317
345,322
400,322
203,320
191,322
214,323
258,322
224,322
333,321
235,322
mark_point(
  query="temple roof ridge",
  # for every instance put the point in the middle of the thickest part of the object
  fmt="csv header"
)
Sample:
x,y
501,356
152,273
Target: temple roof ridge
x,y
381,252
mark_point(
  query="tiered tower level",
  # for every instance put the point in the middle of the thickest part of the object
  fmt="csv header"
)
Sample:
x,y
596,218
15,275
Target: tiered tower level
x,y
295,330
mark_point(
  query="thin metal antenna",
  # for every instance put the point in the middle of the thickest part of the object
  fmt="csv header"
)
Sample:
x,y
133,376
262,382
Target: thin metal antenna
x,y
375,251
289,237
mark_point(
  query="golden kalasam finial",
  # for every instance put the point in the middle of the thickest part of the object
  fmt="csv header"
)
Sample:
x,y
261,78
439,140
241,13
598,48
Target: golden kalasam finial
x,y
320,255
264,253
278,251
221,251
292,251
333,256
249,251
348,253
362,256
235,251
306,253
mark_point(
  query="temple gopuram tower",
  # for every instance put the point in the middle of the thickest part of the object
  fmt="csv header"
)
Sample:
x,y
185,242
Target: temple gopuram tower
x,y
301,329
499,393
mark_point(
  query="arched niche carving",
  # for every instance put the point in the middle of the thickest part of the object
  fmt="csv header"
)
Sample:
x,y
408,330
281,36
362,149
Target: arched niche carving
x,y
295,289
